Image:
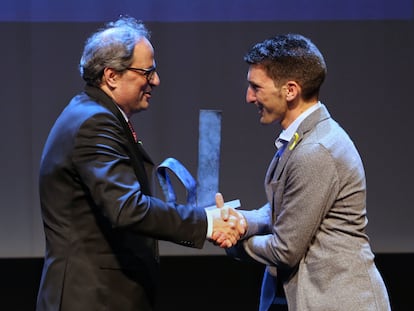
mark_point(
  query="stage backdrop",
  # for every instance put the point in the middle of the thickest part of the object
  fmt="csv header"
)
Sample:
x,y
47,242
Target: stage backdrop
x,y
368,45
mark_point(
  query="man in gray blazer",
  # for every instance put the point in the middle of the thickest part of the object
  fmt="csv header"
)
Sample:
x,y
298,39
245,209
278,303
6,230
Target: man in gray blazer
x,y
311,233
101,222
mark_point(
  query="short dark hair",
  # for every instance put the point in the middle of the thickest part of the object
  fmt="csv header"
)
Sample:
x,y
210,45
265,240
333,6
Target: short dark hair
x,y
291,57
111,46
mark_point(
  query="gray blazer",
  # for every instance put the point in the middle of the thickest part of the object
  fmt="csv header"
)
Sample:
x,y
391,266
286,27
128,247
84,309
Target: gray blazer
x,y
311,233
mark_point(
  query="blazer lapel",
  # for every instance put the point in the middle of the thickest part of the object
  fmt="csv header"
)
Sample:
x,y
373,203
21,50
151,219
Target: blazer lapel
x,y
308,124
285,156
271,169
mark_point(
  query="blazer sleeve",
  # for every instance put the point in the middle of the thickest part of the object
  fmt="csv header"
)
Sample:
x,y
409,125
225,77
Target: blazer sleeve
x,y
305,201
259,223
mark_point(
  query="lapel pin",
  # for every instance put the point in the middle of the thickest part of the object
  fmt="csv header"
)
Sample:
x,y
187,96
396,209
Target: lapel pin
x,y
295,140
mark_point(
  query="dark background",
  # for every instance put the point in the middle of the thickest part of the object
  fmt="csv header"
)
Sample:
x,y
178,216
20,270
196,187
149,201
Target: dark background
x,y
368,90
201,283
199,45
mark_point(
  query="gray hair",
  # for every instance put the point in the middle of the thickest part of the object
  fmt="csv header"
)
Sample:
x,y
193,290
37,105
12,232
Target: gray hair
x,y
111,47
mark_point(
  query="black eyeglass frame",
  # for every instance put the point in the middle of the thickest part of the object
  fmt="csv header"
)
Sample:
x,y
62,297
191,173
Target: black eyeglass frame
x,y
148,73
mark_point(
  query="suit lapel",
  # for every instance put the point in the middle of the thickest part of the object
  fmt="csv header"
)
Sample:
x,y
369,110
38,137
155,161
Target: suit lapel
x,y
307,125
139,156
284,158
271,169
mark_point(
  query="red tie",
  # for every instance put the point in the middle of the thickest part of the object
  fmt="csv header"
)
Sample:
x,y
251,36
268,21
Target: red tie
x,y
133,131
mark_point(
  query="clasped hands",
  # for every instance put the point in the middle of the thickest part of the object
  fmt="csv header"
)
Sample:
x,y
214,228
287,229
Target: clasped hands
x,y
228,225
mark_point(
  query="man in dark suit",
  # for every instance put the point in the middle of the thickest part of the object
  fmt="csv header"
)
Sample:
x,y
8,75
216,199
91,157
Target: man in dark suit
x,y
101,222
311,233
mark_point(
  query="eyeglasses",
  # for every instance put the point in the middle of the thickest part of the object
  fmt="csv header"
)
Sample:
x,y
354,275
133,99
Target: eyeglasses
x,y
148,73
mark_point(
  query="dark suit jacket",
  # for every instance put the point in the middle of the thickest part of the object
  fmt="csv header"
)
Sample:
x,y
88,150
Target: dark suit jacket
x,y
101,224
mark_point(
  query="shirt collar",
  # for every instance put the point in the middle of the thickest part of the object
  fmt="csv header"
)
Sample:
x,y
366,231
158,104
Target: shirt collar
x,y
287,134
123,113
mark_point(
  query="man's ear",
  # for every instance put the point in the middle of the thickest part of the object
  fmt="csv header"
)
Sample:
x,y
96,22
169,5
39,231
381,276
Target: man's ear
x,y
293,90
110,77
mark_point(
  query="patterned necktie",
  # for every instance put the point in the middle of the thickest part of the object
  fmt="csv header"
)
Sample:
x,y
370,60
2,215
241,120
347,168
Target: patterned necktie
x,y
133,131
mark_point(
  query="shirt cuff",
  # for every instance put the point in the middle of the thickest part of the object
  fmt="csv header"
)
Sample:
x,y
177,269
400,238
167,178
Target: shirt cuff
x,y
209,223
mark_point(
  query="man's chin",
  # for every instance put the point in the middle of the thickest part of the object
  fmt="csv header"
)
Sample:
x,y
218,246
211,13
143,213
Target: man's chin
x,y
269,119
265,121
142,108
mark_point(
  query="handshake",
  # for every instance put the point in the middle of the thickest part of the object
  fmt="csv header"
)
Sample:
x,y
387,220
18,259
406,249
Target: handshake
x,y
228,224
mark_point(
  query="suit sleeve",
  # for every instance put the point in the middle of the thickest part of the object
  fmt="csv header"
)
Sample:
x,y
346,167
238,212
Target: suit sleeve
x,y
259,222
104,167
309,191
